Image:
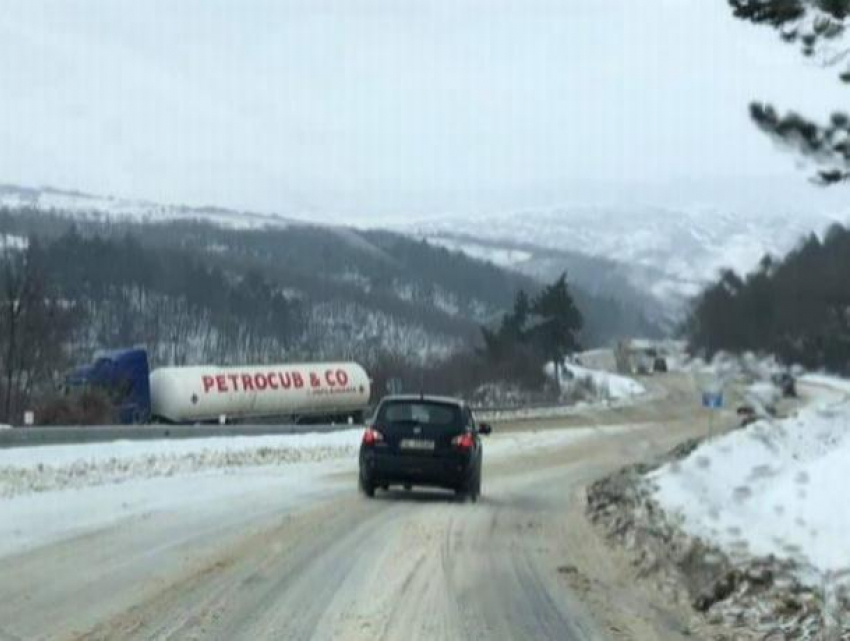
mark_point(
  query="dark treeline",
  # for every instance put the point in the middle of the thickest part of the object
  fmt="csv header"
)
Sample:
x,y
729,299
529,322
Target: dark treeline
x,y
797,308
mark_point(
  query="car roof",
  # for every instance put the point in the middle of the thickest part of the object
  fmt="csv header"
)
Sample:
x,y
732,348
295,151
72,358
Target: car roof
x,y
448,400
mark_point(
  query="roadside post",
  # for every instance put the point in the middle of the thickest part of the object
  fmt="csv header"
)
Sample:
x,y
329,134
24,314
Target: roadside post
x,y
712,400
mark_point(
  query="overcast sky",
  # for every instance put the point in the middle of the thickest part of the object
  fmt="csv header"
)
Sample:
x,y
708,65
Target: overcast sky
x,y
388,108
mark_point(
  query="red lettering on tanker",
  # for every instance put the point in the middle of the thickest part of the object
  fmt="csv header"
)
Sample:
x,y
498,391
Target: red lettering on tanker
x,y
322,383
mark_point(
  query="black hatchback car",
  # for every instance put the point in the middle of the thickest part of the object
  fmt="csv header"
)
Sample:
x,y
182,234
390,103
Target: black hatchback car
x,y
422,440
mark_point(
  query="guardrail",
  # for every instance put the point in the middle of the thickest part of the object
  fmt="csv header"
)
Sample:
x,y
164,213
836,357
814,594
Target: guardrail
x,y
76,434
73,435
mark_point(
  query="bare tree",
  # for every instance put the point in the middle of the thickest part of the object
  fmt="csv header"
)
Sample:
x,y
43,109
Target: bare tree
x,y
34,328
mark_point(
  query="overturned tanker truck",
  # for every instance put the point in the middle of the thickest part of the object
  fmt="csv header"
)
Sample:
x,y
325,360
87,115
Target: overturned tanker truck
x,y
297,392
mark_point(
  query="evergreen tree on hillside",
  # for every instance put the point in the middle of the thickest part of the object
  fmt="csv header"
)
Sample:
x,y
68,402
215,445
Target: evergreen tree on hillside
x,y
514,324
558,322
499,344
819,27
549,326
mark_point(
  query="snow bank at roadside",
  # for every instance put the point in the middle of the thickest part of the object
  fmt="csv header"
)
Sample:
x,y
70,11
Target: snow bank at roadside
x,y
587,389
616,386
826,380
775,488
608,386
70,490
41,468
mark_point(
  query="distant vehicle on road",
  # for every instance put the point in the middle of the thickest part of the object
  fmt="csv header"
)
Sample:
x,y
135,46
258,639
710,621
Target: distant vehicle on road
x,y
786,382
422,440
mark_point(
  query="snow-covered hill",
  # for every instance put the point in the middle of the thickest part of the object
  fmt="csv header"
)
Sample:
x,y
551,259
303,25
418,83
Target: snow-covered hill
x,y
653,257
92,207
667,253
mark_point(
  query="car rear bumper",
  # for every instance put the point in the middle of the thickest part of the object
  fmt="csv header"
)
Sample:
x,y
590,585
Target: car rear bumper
x,y
380,468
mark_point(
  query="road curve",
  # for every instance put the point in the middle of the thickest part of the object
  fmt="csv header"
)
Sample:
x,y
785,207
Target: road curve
x,y
331,564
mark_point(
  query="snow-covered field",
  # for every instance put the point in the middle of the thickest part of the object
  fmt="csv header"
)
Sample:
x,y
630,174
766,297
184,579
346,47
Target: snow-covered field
x,y
774,488
50,493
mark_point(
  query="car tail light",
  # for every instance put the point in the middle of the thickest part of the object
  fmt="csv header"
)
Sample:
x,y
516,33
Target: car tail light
x,y
372,436
464,441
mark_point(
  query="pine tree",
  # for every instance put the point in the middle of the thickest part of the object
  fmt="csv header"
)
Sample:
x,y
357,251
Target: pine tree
x,y
559,322
818,27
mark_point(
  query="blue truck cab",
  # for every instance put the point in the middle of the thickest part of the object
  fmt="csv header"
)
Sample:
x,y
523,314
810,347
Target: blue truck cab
x,y
124,375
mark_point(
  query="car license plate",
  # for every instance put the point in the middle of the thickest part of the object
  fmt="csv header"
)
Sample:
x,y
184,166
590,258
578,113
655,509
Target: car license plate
x,y
416,444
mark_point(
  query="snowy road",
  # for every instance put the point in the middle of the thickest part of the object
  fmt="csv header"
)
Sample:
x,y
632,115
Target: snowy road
x,y
294,552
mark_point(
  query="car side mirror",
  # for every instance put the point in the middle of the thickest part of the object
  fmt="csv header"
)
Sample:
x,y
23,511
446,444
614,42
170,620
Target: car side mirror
x,y
484,428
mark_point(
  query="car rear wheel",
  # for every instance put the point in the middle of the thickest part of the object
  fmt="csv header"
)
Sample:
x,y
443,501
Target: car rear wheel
x,y
471,490
367,488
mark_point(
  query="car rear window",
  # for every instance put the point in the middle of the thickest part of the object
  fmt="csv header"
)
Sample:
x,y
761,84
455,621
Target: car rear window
x,y
433,416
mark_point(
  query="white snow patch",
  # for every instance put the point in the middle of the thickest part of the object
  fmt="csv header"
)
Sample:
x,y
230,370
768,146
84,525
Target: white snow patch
x,y
51,467
501,256
29,521
827,380
153,485
80,206
11,242
774,488
619,387
616,386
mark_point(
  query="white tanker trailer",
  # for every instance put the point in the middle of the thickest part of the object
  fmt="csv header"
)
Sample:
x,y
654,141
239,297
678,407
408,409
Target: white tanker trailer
x,y
314,391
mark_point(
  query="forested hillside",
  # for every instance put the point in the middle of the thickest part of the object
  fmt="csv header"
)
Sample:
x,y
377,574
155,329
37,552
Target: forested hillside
x,y
195,292
797,307
333,292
